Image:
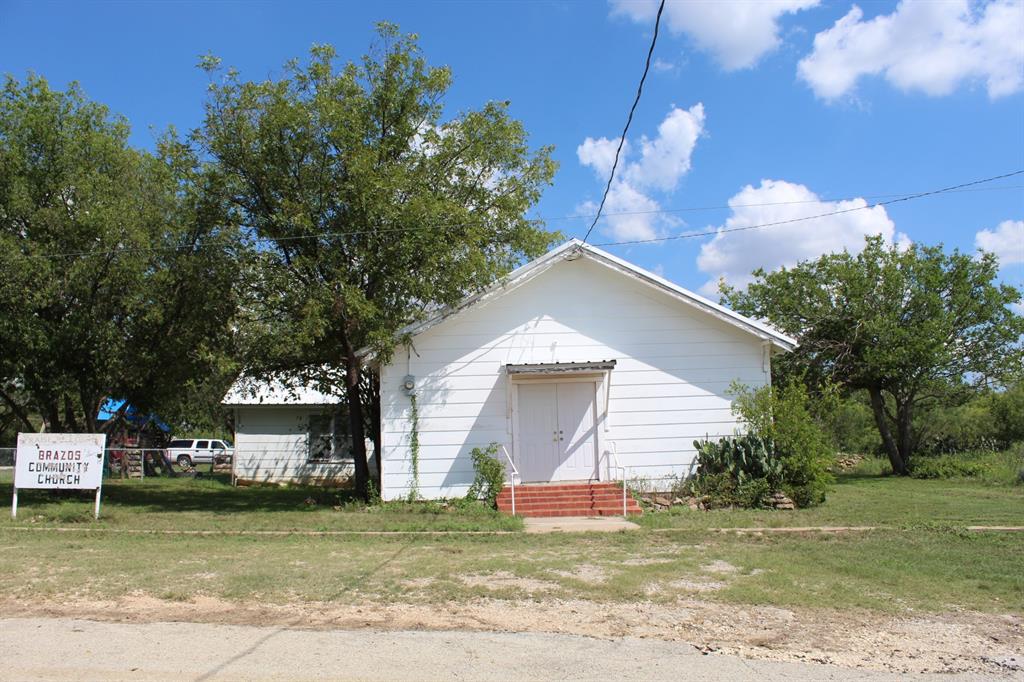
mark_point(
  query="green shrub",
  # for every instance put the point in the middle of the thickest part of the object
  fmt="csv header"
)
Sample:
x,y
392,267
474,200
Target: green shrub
x,y
721,490
958,428
743,458
490,475
754,493
947,466
785,417
994,467
741,471
1008,413
851,425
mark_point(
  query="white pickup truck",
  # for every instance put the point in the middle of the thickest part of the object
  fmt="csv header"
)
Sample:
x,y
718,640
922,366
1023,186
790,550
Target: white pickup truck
x,y
187,452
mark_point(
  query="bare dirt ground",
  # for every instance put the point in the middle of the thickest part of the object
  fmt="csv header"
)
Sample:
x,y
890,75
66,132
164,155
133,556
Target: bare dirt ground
x,y
955,642
65,649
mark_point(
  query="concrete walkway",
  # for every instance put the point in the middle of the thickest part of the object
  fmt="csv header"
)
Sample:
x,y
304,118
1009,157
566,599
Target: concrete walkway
x,y
578,524
65,649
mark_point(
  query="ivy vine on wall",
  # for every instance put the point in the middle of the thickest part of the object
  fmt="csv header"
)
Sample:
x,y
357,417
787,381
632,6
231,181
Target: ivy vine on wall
x,y
414,446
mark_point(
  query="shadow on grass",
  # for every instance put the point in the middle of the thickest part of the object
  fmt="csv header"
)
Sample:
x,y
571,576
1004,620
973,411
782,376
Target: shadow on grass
x,y
212,494
861,478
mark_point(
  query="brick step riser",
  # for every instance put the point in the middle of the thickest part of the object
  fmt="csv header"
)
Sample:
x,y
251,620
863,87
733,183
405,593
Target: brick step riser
x,y
587,512
566,491
570,503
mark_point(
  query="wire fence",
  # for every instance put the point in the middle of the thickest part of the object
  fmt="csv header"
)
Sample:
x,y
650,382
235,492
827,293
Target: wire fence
x,y
142,463
299,461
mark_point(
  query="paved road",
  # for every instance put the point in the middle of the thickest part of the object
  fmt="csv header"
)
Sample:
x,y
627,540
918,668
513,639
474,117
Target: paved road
x,y
66,649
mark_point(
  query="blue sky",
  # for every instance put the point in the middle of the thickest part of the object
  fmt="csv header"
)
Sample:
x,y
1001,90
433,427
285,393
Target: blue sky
x,y
755,104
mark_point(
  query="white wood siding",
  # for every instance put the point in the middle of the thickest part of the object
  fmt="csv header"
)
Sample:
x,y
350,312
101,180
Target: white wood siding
x,y
271,446
675,364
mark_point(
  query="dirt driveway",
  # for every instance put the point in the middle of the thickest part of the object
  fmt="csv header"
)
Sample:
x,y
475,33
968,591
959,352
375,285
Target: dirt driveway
x,y
843,644
68,649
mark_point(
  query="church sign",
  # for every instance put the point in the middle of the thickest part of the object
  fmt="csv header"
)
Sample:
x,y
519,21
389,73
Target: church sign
x,y
59,461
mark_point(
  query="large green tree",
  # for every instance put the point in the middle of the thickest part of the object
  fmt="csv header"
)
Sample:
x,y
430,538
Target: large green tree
x,y
367,204
116,268
905,325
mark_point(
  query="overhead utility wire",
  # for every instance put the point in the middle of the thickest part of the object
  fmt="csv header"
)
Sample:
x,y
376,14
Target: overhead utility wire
x,y
691,235
629,119
723,207
319,235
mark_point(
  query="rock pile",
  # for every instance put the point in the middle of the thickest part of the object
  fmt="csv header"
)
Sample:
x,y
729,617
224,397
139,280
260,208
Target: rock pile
x,y
661,501
780,501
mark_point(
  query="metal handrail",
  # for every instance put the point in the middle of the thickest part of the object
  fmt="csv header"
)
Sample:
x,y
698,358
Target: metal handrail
x,y
512,477
613,455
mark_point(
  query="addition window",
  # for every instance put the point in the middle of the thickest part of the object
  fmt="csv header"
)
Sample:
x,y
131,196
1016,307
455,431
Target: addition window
x,y
328,437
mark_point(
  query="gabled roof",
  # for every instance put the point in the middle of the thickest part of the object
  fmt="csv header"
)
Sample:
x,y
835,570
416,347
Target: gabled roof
x,y
279,390
573,249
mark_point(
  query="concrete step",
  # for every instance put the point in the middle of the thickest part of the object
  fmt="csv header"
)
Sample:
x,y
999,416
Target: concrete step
x,y
562,487
550,513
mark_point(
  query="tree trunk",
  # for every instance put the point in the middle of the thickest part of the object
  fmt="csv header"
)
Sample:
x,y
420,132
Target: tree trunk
x,y
904,435
371,405
899,465
69,415
353,373
91,407
52,417
18,411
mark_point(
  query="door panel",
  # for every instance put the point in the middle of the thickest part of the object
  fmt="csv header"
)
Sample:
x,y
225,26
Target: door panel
x,y
537,453
577,434
557,432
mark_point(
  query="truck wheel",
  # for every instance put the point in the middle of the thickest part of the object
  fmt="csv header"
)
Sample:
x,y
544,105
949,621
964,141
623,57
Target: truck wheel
x,y
184,461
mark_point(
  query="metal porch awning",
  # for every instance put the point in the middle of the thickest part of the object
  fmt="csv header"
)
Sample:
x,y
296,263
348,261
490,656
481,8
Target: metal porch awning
x,y
560,368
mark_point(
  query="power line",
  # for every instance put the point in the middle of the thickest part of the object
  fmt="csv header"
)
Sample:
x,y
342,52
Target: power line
x,y
723,207
629,119
909,197
965,187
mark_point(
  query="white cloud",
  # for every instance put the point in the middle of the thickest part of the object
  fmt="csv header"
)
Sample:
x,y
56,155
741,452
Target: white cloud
x,y
736,33
599,154
629,212
1006,242
630,209
660,65
734,255
931,47
666,158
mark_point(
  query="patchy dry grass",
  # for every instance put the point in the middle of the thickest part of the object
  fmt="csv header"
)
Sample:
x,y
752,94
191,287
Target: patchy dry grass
x,y
919,560
886,571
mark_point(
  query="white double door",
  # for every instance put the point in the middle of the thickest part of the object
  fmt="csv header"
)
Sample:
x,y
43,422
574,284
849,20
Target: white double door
x,y
557,431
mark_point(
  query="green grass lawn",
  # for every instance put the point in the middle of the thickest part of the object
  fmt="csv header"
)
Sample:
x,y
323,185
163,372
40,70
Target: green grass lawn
x,y
210,503
918,560
871,500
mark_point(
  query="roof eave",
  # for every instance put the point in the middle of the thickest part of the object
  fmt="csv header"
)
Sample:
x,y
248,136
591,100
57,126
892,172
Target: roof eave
x,y
535,267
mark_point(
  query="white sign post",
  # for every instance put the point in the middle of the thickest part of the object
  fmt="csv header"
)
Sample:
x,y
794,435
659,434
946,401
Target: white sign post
x,y
61,461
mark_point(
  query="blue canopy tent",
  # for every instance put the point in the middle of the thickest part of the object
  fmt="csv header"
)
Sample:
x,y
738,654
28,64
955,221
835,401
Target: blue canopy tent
x,y
113,408
135,440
